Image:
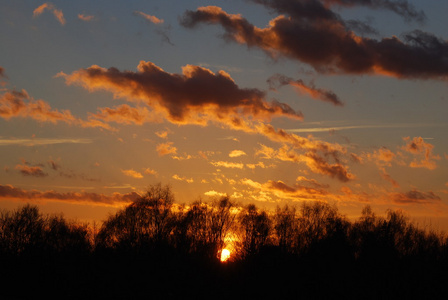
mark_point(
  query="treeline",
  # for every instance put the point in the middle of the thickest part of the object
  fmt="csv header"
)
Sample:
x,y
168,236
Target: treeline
x,y
156,247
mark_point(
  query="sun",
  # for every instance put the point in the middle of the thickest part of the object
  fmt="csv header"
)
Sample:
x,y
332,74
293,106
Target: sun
x,y
225,255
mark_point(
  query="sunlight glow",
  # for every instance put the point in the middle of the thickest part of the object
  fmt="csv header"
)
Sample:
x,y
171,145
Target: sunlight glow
x,y
225,255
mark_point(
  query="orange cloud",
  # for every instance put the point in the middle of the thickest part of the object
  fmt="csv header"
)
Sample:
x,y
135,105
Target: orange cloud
x,y
309,32
196,96
315,93
281,190
11,192
237,153
150,171
125,114
415,197
132,173
20,104
149,18
35,171
50,6
419,147
387,177
214,193
188,180
166,148
382,157
227,164
85,17
314,161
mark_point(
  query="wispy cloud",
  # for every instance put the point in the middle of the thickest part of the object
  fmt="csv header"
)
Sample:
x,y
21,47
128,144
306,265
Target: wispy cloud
x,y
415,197
237,153
367,126
179,178
42,141
226,164
34,171
86,18
132,173
419,147
166,148
11,192
150,18
279,80
50,6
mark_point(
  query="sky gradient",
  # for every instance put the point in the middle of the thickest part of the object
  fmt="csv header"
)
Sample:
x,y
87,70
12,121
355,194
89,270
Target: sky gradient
x,y
269,102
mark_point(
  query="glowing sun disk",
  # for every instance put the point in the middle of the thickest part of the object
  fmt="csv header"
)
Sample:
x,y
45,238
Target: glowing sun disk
x,y
225,255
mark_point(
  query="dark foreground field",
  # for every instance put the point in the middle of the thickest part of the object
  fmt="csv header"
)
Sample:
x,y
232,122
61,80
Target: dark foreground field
x,y
157,250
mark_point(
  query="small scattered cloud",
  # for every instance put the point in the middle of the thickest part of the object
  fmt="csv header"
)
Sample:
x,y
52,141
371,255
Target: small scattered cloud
x,y
86,18
34,171
50,6
132,173
278,80
150,171
11,192
42,141
179,178
150,18
415,197
226,164
214,193
418,147
237,153
166,148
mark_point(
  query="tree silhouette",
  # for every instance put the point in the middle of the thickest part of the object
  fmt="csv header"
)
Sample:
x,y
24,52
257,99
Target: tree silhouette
x,y
256,227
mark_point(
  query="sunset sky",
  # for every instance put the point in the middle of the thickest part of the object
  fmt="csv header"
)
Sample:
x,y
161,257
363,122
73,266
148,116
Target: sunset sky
x,y
269,102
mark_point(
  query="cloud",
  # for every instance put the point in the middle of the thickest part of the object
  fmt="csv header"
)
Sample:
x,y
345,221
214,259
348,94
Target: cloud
x,y
54,165
166,148
415,197
419,147
15,104
188,180
2,76
132,173
381,157
42,141
196,96
214,193
50,6
309,32
150,171
283,191
20,104
11,192
372,126
260,164
163,134
125,114
152,19
389,178
278,80
400,7
227,164
85,18
34,171
237,153
315,162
